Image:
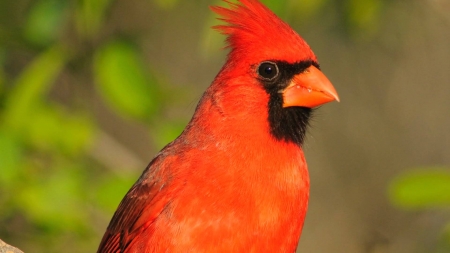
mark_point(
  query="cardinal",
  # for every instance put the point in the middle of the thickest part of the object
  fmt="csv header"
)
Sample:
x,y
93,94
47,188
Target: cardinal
x,y
236,179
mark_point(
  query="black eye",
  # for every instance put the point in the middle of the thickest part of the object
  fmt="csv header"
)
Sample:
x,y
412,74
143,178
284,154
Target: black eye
x,y
268,70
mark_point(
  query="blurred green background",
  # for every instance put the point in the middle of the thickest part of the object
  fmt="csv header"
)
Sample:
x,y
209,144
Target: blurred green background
x,y
90,90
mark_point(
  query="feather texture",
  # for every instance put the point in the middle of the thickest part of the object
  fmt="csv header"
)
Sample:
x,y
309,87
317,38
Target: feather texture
x,y
228,183
252,27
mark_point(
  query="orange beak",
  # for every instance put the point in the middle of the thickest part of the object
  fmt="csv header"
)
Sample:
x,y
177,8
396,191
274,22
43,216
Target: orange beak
x,y
310,88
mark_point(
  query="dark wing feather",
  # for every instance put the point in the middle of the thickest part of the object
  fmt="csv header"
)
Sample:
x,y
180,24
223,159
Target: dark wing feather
x,y
139,209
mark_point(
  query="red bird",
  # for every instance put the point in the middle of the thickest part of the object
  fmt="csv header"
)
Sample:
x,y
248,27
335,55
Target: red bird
x,y
236,179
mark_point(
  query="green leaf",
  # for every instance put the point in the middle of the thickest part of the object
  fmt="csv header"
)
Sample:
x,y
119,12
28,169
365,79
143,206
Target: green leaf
x,y
44,21
425,188
31,87
55,201
77,133
122,81
55,131
10,158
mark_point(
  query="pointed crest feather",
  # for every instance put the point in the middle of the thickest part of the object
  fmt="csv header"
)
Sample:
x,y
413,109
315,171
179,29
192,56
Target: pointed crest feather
x,y
253,30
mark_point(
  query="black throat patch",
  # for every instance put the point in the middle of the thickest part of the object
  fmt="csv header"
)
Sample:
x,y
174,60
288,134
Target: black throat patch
x,y
288,124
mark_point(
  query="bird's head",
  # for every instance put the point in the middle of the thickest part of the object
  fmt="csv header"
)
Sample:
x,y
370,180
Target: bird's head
x,y
267,55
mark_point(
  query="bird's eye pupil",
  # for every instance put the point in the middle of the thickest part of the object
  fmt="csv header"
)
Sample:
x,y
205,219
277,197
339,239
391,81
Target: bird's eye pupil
x,y
268,70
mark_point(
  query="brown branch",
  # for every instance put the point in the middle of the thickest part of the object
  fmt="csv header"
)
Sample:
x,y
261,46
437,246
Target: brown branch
x,y
6,248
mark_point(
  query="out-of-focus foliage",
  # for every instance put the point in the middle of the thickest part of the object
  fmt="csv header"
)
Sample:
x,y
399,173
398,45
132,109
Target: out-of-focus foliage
x,y
166,4
89,16
60,59
129,91
357,19
422,189
44,21
52,186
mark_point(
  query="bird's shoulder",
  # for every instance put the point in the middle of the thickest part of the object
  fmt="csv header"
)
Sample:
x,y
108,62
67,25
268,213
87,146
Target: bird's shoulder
x,y
141,206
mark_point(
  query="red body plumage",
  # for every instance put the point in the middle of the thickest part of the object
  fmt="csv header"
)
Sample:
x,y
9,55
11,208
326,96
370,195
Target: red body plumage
x,y
227,183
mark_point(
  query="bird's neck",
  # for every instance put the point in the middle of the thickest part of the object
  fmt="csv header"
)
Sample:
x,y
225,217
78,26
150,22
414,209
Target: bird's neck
x,y
240,119
270,174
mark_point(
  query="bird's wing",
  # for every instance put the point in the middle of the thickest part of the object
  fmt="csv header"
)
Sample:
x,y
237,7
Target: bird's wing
x,y
138,211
